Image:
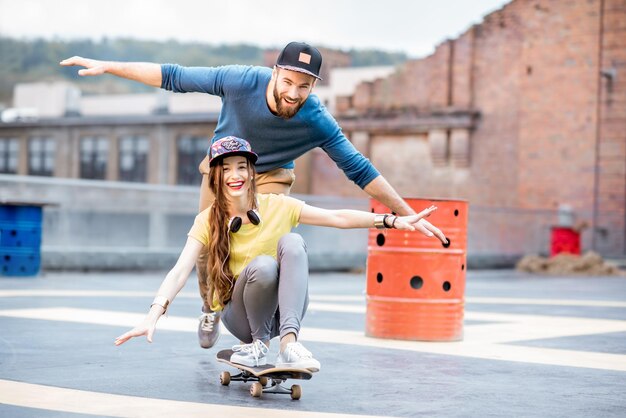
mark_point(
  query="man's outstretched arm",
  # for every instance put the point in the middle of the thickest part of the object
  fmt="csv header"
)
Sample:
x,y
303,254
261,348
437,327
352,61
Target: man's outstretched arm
x,y
144,72
382,191
360,170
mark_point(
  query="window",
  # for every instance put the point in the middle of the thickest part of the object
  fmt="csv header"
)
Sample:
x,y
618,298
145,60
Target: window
x,y
133,158
41,154
190,151
9,155
94,155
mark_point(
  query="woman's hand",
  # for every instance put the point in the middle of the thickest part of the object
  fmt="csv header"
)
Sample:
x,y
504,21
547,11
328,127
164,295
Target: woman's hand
x,y
145,328
418,223
173,282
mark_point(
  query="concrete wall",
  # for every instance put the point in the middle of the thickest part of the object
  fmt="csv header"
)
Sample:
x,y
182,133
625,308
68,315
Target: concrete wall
x,y
112,225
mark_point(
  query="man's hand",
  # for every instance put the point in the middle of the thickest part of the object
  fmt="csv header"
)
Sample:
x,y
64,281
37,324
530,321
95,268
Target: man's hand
x,y
92,67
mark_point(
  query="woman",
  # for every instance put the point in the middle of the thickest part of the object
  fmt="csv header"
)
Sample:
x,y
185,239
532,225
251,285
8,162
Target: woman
x,y
257,270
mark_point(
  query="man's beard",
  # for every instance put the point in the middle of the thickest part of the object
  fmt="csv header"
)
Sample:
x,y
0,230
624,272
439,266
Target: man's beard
x,y
283,111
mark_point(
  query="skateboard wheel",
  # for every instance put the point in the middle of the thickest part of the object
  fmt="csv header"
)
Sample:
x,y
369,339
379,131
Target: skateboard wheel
x,y
296,392
225,378
256,390
263,381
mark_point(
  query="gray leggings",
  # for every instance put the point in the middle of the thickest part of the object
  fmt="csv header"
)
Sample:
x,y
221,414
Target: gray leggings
x,y
270,297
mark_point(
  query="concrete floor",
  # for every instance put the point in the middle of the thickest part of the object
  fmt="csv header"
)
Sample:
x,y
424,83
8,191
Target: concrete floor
x,y
534,347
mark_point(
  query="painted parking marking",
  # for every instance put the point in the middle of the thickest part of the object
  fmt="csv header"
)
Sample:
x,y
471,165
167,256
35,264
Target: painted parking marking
x,y
319,298
485,341
548,302
104,404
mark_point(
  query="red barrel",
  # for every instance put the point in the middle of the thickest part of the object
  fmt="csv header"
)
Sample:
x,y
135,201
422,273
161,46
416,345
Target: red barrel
x,y
564,240
415,285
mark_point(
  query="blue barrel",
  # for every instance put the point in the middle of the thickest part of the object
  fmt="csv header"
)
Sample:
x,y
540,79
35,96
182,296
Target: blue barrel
x,y
20,239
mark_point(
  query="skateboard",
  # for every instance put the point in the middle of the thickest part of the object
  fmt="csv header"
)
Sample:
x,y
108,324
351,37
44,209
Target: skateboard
x,y
262,375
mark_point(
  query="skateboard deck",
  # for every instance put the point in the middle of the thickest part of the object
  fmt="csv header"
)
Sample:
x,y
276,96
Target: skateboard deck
x,y
261,375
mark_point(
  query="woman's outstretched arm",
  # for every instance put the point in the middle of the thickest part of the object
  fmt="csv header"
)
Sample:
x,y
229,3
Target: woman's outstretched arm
x,y
171,285
348,218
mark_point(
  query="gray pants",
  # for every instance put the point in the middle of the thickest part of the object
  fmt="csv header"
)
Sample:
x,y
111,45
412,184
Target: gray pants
x,y
270,297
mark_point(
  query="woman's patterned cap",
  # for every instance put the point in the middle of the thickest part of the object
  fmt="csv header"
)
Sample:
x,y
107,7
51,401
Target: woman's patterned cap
x,y
228,147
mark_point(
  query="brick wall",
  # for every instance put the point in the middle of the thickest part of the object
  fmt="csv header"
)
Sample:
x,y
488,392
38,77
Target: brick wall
x,y
532,71
612,131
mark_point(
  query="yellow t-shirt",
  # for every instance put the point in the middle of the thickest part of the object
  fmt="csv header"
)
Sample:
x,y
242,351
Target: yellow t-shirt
x,y
278,213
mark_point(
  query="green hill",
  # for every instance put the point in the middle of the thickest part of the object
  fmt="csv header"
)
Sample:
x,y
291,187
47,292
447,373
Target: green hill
x,y
38,60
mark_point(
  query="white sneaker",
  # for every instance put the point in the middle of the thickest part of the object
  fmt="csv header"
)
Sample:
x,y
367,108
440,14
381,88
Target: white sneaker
x,y
254,354
297,357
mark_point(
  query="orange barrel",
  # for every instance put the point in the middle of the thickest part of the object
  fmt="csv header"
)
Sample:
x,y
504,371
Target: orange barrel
x,y
415,285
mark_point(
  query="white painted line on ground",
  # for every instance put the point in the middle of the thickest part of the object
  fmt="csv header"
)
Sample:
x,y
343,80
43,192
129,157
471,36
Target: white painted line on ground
x,y
132,294
103,404
101,317
316,298
87,293
550,302
338,298
468,348
481,341
336,307
527,327
521,327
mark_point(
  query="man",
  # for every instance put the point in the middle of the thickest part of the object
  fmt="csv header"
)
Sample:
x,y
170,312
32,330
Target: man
x,y
276,112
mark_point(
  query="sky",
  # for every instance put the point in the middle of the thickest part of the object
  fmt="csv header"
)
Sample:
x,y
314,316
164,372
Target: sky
x,y
414,27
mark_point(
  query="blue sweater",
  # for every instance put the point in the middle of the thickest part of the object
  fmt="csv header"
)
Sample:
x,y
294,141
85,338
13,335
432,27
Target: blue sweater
x,y
277,141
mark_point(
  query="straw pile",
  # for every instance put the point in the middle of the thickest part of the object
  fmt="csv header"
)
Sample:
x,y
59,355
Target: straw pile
x,y
589,264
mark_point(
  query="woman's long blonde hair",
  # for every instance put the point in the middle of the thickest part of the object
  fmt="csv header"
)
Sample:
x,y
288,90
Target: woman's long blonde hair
x,y
214,262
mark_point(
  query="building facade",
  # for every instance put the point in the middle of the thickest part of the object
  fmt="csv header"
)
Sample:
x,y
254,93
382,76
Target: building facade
x,y
154,138
521,114
153,149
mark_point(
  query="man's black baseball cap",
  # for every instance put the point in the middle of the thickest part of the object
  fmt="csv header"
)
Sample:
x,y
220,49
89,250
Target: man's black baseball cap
x,y
301,57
